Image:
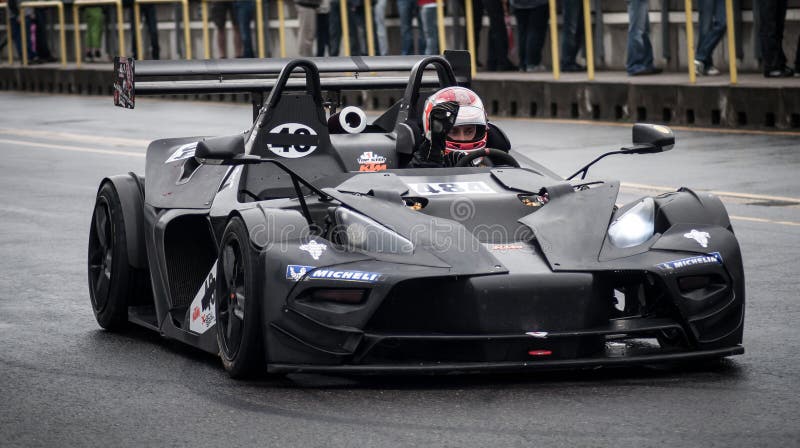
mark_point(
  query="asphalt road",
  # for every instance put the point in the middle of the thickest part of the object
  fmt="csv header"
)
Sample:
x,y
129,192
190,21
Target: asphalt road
x,y
65,382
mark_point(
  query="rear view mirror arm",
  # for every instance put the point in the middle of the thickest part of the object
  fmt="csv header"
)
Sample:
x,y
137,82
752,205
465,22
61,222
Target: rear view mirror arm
x,y
585,168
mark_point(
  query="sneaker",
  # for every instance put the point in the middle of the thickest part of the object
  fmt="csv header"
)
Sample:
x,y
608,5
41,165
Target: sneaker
x,y
536,69
89,57
646,71
97,54
712,71
699,68
573,68
784,72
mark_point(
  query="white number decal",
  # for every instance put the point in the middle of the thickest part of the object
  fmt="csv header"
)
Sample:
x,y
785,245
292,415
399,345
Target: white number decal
x,y
433,188
292,151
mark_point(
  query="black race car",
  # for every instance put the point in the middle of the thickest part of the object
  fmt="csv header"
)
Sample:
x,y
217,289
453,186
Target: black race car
x,y
302,245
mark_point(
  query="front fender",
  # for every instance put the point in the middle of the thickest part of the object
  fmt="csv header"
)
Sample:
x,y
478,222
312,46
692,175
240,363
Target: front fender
x,y
130,190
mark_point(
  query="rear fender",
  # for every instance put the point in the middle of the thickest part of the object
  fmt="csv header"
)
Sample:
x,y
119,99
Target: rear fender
x,y
130,189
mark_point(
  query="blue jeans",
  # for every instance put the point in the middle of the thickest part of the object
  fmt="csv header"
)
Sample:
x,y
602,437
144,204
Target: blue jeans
x,y
640,51
407,9
379,14
712,28
430,29
245,11
572,33
148,14
16,36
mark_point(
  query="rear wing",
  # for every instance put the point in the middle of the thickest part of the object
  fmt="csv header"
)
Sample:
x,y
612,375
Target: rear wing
x,y
259,76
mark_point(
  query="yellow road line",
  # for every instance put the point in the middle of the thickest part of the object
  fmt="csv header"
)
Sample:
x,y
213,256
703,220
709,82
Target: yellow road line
x,y
117,141
766,221
73,148
729,194
677,128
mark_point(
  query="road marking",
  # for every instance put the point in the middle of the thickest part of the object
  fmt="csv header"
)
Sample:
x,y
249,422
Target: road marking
x,y
73,148
117,141
766,221
678,128
729,194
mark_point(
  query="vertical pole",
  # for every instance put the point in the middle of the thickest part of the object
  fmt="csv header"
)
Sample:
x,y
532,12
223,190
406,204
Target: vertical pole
x,y
281,29
368,27
345,27
137,20
204,18
554,40
77,25
440,23
186,30
731,41
23,35
260,28
587,24
62,34
690,41
469,17
120,29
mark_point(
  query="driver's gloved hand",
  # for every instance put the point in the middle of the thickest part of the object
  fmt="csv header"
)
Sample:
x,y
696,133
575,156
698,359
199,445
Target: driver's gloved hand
x,y
443,117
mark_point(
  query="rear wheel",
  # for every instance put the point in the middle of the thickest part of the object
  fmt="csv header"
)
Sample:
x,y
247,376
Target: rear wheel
x,y
237,303
110,275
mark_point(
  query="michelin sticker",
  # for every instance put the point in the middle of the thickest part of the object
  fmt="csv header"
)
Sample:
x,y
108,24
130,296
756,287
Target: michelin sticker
x,y
350,276
295,150
202,308
433,188
712,258
296,272
183,152
314,249
701,237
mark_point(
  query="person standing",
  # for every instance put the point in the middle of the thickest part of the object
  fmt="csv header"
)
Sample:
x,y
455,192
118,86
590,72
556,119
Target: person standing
x,y
219,13
379,15
429,25
498,37
773,15
407,10
572,36
639,59
148,12
307,25
532,18
245,11
323,28
712,28
94,32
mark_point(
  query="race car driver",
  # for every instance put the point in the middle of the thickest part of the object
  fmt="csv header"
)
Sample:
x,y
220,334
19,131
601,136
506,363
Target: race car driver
x,y
454,123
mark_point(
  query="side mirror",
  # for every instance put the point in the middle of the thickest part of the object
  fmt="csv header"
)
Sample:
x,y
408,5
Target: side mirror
x,y
225,150
650,138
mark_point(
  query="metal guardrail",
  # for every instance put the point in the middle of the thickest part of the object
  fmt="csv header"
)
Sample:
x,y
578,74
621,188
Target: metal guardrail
x,y
259,27
23,32
138,25
76,23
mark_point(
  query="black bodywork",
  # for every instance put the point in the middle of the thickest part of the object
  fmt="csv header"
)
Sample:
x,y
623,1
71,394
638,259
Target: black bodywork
x,y
511,268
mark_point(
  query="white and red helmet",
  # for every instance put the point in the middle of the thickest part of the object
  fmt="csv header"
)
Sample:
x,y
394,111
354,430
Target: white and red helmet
x,y
470,112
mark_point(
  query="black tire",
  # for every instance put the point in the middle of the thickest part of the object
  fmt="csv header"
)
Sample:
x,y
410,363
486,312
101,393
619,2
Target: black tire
x,y
237,305
110,276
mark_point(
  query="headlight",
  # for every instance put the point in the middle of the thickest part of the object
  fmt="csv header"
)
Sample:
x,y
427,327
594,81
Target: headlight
x,y
356,231
635,226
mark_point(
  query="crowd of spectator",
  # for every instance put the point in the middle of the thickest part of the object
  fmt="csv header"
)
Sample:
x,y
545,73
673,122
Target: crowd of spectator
x,y
320,21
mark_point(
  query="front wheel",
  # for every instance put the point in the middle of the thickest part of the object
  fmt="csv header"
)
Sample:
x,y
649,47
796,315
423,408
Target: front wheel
x,y
238,303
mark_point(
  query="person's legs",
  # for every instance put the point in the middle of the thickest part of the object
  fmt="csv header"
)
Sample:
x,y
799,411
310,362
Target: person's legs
x,y
379,14
572,34
429,28
537,25
148,11
94,28
307,29
244,18
358,39
335,28
41,42
639,51
522,36
712,29
498,38
477,22
323,33
405,9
